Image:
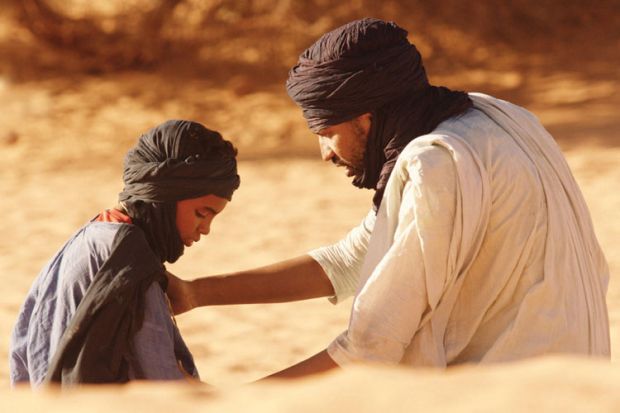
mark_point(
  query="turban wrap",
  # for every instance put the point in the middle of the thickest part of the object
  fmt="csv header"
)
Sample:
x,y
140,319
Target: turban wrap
x,y
369,66
174,161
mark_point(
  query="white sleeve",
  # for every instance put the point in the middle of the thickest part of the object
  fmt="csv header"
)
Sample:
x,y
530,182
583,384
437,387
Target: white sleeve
x,y
409,279
343,260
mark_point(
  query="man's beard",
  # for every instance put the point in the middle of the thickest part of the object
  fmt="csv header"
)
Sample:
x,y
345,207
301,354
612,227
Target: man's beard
x,y
351,169
354,167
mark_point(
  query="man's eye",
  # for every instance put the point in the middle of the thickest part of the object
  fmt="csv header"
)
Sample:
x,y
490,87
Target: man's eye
x,y
200,214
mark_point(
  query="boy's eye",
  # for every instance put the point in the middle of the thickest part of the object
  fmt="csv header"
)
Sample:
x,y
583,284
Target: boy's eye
x,y
200,214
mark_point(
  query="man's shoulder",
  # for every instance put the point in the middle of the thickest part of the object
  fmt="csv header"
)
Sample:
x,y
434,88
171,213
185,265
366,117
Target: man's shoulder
x,y
423,163
425,151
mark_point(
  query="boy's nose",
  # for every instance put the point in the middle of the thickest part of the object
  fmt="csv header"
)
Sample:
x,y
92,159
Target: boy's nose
x,y
205,229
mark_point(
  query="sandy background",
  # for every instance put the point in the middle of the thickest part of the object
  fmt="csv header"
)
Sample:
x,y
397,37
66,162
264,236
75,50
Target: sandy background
x,y
64,128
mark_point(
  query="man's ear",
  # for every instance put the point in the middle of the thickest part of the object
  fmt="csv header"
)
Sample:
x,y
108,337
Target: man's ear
x,y
365,120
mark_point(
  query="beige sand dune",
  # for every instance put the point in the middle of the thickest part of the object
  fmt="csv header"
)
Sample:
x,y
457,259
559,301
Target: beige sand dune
x,y
541,385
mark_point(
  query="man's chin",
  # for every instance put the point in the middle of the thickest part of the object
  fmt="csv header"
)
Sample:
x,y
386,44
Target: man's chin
x,y
352,172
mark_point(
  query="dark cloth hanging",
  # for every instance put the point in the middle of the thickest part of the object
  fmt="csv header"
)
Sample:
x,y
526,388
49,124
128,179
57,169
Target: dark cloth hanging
x,y
369,66
96,347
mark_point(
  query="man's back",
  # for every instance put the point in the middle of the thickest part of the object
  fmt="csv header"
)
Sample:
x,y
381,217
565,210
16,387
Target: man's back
x,y
513,303
510,262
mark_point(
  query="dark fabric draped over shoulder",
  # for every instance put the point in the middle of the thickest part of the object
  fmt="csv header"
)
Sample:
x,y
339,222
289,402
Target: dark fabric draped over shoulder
x,y
369,66
97,344
174,161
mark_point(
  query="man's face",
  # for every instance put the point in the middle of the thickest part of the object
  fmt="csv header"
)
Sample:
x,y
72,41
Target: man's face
x,y
194,216
344,144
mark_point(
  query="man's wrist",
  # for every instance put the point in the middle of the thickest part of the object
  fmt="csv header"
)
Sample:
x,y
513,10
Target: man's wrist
x,y
192,298
201,292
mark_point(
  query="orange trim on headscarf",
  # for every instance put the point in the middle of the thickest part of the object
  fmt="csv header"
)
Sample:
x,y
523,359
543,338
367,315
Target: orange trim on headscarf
x,y
113,215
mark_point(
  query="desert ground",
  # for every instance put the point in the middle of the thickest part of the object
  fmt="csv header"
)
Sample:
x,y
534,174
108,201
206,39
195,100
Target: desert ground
x,y
62,139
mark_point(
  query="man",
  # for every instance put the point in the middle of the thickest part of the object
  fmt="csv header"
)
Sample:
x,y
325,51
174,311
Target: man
x,y
479,246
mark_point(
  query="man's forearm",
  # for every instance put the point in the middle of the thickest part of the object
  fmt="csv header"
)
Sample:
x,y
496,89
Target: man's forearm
x,y
295,279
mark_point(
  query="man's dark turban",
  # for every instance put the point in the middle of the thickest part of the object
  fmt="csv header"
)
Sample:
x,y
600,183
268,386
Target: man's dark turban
x,y
174,161
353,70
369,66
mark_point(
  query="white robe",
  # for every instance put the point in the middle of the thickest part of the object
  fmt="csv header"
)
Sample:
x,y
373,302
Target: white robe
x,y
483,250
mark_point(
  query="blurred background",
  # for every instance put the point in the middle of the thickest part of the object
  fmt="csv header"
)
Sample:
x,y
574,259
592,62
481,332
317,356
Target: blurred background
x,y
80,80
101,71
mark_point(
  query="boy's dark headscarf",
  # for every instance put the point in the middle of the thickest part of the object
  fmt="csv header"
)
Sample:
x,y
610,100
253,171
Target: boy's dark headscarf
x,y
174,161
369,66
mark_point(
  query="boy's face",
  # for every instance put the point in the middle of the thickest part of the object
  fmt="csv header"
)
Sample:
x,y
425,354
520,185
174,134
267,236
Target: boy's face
x,y
194,216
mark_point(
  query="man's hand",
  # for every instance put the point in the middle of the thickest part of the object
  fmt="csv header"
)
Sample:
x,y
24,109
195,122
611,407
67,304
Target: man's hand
x,y
319,363
180,294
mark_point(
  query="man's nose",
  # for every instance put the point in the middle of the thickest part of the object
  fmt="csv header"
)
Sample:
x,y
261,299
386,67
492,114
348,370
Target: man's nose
x,y
326,151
